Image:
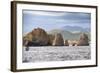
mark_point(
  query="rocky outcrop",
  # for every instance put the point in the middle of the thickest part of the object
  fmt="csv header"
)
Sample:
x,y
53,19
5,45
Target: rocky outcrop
x,y
51,38
66,43
58,40
27,38
83,41
38,37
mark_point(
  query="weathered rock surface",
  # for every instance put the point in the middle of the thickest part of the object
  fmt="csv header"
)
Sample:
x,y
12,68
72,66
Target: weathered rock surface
x,y
51,38
58,40
38,37
66,43
83,41
27,38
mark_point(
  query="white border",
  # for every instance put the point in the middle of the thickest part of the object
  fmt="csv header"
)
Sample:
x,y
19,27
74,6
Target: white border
x,y
21,65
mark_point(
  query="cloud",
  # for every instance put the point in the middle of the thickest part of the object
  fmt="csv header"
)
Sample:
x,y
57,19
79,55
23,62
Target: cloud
x,y
52,19
45,13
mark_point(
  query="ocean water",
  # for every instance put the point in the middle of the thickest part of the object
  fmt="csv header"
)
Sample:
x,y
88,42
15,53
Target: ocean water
x,y
54,53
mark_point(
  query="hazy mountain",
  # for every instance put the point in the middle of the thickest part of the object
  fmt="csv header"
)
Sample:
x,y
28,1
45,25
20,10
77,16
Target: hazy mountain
x,y
68,35
75,29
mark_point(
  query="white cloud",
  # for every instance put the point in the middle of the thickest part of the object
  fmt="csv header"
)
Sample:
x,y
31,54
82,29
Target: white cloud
x,y
44,13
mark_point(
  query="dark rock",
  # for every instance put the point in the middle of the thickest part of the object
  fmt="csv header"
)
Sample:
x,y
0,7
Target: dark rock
x,y
51,38
27,48
40,36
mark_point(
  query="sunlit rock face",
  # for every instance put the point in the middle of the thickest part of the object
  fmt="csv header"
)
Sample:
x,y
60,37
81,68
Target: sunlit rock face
x,y
66,43
58,41
38,37
83,41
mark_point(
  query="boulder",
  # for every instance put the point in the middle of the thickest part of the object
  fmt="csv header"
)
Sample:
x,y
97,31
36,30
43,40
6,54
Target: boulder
x,y
27,38
51,38
83,41
58,40
66,43
38,37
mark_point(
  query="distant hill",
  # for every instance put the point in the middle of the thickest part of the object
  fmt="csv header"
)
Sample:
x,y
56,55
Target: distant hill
x,y
75,29
68,34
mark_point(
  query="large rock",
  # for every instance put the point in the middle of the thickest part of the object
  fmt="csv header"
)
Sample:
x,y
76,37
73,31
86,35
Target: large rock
x,y
83,41
27,38
66,43
58,40
38,37
51,38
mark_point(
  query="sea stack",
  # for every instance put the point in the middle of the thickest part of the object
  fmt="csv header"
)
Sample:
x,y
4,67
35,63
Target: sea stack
x,y
83,41
58,40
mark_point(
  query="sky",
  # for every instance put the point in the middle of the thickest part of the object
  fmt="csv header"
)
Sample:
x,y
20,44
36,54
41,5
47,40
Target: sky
x,y
49,20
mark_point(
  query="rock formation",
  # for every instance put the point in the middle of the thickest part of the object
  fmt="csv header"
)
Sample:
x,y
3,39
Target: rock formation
x,y
58,40
66,43
27,38
51,38
38,37
83,41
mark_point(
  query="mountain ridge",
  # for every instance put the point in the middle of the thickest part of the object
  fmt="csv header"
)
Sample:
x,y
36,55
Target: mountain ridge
x,y
75,28
67,34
